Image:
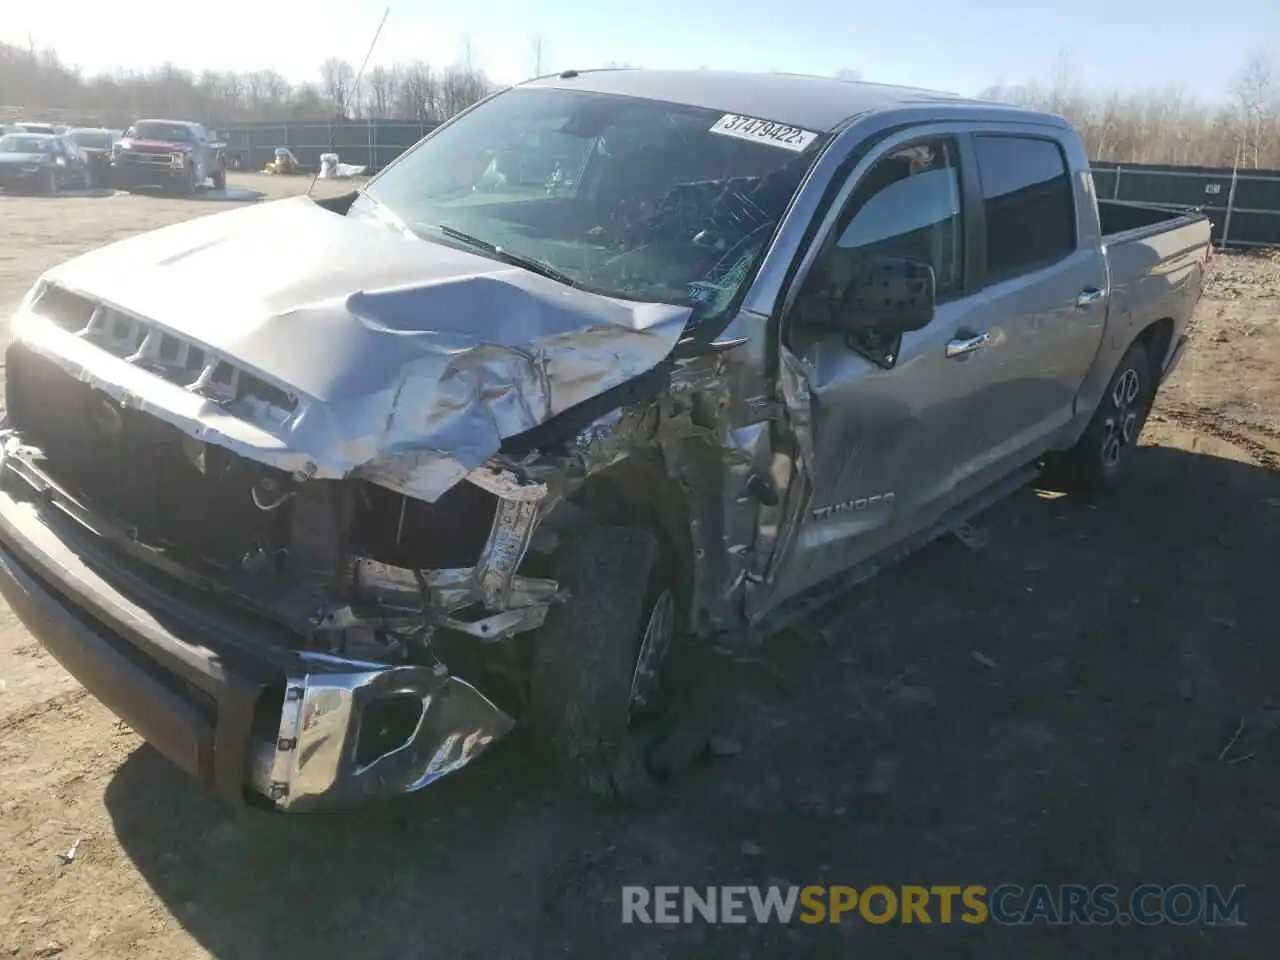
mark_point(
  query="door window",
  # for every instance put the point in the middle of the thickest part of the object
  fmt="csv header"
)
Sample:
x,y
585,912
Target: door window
x,y
1026,191
908,205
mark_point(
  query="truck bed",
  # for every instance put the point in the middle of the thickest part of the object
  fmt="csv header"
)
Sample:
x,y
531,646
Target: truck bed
x,y
1155,259
1131,221
1138,239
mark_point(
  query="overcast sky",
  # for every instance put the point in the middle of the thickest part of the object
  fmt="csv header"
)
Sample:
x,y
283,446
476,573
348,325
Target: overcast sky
x,y
957,45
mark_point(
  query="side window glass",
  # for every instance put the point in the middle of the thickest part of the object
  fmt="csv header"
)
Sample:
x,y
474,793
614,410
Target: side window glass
x,y
1026,191
908,205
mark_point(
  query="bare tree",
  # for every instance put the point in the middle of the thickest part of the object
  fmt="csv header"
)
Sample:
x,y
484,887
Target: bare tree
x,y
1257,90
1064,87
417,91
37,79
460,87
538,48
308,100
336,80
378,92
1156,125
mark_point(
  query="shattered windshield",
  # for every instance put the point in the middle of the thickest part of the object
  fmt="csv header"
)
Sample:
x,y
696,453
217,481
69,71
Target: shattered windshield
x,y
17,143
632,198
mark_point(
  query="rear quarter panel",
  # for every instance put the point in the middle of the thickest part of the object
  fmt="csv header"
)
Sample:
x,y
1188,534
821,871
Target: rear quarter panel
x,y
1157,274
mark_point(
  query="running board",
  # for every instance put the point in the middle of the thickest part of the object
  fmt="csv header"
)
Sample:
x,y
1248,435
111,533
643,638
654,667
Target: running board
x,y
817,597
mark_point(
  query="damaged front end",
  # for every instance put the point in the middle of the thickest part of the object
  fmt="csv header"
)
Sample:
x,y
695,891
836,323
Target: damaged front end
x,y
382,591
364,580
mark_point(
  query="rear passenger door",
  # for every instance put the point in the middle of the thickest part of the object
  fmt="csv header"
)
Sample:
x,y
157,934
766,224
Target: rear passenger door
x,y
1044,288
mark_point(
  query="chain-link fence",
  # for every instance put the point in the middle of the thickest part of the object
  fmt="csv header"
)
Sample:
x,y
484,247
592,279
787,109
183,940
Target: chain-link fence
x,y
1244,205
368,143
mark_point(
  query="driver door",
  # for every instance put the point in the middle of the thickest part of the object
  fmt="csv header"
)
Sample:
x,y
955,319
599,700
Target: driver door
x,y
893,419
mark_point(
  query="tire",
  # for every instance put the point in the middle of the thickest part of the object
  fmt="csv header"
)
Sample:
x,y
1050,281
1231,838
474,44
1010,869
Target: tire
x,y
48,184
220,179
1096,462
188,186
585,689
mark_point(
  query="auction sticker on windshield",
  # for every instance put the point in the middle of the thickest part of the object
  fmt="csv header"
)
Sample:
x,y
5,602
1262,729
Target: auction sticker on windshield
x,y
763,131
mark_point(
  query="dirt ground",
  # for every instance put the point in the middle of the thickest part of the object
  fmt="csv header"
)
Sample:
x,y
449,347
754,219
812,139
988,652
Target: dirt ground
x,y
1091,697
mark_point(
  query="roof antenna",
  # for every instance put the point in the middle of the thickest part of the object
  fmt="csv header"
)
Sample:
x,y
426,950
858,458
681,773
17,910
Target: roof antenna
x,y
355,86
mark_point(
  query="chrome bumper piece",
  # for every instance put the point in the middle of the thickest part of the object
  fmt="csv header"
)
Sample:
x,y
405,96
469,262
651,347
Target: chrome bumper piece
x,y
316,760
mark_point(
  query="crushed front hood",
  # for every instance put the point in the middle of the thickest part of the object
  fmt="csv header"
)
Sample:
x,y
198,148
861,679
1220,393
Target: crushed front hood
x,y
409,359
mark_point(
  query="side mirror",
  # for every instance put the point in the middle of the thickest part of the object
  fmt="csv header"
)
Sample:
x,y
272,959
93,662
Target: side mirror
x,y
877,294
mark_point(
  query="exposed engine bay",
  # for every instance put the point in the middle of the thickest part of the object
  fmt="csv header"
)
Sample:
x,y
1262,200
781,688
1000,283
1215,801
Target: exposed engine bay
x,y
353,568
389,600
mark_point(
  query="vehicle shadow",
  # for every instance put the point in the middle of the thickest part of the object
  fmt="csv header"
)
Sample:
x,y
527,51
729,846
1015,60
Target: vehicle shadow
x,y
229,195
90,193
1049,707
93,193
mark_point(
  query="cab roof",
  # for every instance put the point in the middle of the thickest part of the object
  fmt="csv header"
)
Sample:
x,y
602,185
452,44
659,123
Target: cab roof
x,y
821,104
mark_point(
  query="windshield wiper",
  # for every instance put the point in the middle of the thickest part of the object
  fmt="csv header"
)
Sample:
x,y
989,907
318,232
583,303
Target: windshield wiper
x,y
515,259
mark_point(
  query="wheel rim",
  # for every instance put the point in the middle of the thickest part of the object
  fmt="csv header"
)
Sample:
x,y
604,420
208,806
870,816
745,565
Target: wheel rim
x,y
659,631
1120,427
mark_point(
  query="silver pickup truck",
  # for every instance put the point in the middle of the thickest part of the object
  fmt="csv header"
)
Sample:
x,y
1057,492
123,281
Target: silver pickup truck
x,y
467,450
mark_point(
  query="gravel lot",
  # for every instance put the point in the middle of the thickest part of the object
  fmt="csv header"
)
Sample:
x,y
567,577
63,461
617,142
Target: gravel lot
x,y
1055,706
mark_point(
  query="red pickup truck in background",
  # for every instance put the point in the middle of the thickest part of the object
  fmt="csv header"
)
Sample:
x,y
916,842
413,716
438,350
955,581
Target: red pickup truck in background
x,y
171,154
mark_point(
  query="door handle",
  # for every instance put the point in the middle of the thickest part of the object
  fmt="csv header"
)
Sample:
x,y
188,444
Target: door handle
x,y
963,346
1089,295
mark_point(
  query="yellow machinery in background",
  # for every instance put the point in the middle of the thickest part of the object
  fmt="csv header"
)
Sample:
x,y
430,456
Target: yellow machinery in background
x,y
284,163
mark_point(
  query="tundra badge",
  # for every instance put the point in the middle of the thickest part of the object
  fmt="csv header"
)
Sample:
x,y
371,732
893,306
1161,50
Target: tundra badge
x,y
853,506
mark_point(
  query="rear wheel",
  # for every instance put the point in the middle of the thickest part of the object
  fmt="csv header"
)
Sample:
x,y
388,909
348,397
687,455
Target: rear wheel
x,y
597,681
1097,460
